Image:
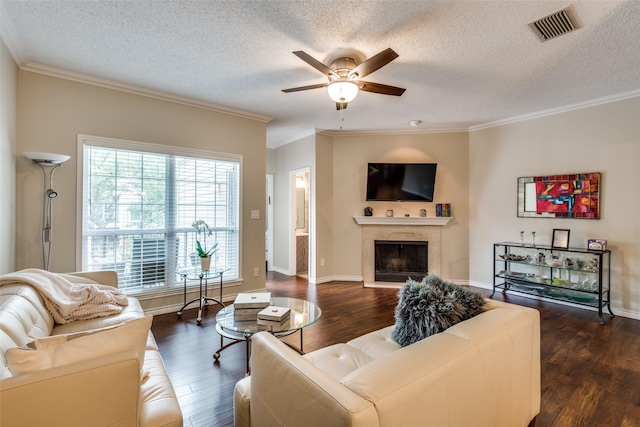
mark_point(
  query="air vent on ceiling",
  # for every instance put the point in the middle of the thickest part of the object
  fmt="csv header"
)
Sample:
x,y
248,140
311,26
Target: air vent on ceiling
x,y
561,22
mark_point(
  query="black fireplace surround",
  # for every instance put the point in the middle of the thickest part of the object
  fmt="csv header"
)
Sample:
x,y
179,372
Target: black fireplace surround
x,y
397,261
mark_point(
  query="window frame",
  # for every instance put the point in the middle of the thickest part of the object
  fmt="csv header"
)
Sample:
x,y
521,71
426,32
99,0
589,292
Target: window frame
x,y
115,143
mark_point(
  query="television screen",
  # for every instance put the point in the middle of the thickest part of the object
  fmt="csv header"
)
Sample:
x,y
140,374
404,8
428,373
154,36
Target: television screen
x,y
401,182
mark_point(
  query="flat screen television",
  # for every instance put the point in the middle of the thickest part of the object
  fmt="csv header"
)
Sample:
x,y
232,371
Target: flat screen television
x,y
406,182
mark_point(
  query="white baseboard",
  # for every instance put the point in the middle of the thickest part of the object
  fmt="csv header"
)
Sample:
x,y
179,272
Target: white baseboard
x,y
625,313
281,270
482,285
327,279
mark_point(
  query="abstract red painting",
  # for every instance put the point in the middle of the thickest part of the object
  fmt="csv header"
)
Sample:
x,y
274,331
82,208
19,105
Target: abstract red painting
x,y
568,196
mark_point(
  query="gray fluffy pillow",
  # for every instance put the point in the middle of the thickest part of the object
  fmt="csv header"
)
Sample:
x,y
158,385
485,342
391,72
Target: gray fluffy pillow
x,y
431,306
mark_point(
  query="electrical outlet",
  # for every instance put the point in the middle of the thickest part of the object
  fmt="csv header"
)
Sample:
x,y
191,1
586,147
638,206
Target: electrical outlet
x,y
256,271
255,214
321,262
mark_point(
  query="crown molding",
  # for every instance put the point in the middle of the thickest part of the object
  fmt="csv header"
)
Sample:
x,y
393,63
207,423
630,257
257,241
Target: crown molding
x,y
135,90
339,133
553,111
347,133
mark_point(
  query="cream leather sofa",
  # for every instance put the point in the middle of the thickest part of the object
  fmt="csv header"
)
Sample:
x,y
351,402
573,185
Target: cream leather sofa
x,y
483,372
102,391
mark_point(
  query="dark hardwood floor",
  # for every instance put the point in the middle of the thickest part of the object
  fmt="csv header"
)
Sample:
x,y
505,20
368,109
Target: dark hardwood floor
x,y
590,372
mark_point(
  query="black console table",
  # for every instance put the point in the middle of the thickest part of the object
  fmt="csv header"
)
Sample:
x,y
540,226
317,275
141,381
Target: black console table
x,y
574,275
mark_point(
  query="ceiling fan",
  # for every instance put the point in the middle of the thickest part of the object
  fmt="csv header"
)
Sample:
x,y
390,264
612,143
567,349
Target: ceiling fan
x,y
344,76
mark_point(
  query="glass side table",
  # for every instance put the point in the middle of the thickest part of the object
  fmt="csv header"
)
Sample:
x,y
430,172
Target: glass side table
x,y
202,300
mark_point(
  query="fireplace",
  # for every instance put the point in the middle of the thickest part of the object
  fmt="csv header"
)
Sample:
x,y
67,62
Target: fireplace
x,y
396,261
403,229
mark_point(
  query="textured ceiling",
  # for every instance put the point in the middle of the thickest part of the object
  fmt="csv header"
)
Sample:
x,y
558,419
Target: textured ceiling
x,y
464,63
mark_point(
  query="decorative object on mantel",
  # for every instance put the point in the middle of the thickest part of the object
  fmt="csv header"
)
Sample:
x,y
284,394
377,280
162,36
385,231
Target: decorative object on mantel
x,y
597,245
400,220
423,213
203,252
522,238
560,239
389,212
533,238
368,211
443,209
560,196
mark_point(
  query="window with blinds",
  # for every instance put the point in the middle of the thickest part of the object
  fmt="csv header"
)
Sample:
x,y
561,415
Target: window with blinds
x,y
140,202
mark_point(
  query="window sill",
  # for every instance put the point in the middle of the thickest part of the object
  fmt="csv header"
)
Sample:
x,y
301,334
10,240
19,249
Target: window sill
x,y
192,286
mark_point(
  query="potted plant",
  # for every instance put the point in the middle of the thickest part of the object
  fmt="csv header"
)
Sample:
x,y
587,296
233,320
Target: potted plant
x,y
202,251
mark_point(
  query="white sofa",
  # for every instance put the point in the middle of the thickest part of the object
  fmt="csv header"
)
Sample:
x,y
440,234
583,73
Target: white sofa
x,y
107,390
483,372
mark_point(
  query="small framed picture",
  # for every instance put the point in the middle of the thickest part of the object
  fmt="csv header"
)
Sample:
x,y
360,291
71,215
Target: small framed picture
x,y
560,238
389,212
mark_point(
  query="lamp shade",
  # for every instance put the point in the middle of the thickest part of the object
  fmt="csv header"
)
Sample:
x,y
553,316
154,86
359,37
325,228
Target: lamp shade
x,y
46,159
343,91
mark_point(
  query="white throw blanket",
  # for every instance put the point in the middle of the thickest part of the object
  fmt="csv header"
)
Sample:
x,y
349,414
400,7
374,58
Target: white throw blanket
x,y
69,298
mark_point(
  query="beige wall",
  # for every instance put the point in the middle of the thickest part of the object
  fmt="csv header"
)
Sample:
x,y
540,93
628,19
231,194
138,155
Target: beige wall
x,y
296,155
604,138
323,218
351,155
53,111
339,169
8,108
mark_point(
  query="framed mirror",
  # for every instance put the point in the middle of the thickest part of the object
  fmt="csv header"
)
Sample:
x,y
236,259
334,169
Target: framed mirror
x,y
560,196
300,208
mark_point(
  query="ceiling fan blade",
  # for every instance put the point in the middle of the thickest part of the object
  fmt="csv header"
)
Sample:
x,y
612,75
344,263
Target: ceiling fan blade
x,y
298,89
380,88
374,63
315,63
341,106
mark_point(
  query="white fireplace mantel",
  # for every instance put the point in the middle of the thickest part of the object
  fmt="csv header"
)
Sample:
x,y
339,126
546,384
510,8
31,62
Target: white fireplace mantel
x,y
401,220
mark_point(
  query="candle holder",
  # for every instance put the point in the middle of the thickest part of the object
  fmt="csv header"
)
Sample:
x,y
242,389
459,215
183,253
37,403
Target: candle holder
x,y
522,238
533,238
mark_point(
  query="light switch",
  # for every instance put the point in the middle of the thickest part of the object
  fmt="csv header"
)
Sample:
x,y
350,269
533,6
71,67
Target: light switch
x,y
255,214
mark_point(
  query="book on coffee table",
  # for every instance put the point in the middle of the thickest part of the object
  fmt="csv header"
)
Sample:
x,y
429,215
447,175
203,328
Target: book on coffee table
x,y
246,313
274,313
278,324
252,300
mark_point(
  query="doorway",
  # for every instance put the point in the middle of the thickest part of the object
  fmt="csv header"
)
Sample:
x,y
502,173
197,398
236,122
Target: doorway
x,y
300,254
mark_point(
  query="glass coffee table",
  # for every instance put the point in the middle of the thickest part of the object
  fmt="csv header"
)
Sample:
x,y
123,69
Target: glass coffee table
x,y
303,313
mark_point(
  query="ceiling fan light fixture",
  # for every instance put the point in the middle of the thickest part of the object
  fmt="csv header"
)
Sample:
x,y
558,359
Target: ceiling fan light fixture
x,y
343,91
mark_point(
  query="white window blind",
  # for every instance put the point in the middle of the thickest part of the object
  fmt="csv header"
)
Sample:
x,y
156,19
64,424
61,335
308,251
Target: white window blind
x,y
139,204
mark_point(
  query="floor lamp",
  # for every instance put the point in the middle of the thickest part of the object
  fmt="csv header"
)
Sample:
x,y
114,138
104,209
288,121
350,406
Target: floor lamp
x,y
48,162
